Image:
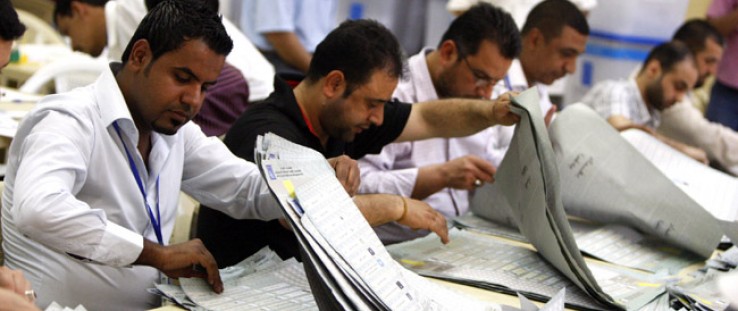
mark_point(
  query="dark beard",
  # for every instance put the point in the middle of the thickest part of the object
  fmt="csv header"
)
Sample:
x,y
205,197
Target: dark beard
x,y
655,95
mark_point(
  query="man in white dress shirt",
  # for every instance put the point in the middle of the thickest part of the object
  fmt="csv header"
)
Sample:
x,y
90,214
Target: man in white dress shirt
x,y
94,175
473,55
553,36
93,25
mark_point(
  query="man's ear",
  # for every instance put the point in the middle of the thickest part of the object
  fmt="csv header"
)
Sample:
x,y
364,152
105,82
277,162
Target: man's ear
x,y
78,9
448,52
653,69
140,55
535,38
334,84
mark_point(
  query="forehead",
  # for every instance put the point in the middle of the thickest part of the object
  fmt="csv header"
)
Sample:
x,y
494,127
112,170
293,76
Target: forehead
x,y
489,57
712,49
380,85
570,38
684,70
197,57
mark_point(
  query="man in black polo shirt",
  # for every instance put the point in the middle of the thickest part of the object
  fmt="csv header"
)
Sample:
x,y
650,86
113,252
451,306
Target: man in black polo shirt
x,y
343,107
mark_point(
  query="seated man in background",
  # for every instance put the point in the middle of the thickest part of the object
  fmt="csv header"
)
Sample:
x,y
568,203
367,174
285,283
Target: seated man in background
x,y
344,107
473,55
96,25
668,73
287,31
683,121
554,35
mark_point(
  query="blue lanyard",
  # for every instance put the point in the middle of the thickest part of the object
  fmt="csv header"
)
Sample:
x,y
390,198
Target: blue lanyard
x,y
507,83
155,221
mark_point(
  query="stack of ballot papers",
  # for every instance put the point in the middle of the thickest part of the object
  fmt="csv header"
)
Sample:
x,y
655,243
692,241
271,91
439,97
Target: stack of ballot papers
x,y
588,167
347,265
261,282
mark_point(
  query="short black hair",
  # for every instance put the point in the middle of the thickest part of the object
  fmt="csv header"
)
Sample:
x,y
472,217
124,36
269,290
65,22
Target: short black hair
x,y
357,48
668,55
550,17
169,24
10,27
64,7
212,4
695,33
484,22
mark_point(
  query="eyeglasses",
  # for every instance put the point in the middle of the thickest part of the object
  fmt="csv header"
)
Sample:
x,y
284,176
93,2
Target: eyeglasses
x,y
481,79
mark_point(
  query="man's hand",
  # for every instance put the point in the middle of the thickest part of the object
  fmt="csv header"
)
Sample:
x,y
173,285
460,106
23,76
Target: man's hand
x,y
379,209
695,153
549,115
347,172
502,113
420,215
9,301
13,281
182,260
463,172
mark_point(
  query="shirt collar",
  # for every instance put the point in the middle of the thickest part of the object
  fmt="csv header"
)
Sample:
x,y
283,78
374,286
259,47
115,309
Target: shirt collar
x,y
423,83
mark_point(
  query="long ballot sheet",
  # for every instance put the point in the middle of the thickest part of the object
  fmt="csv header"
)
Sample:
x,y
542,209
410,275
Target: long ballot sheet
x,y
350,267
606,179
528,188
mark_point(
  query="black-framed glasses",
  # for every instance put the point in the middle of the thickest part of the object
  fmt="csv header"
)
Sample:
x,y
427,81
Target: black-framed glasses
x,y
481,79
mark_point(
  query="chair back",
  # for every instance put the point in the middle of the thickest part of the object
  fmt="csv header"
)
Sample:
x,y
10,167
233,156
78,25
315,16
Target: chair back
x,y
66,74
38,31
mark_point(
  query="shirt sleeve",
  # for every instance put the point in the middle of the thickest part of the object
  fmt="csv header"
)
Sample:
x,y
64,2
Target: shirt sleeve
x,y
51,168
274,15
608,99
686,124
375,138
220,180
378,175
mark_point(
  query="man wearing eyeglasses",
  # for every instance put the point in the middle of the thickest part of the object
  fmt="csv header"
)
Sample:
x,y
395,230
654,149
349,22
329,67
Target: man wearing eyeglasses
x,y
474,54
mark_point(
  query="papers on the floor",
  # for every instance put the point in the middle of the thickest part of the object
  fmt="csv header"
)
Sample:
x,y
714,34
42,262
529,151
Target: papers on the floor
x,y
347,265
605,179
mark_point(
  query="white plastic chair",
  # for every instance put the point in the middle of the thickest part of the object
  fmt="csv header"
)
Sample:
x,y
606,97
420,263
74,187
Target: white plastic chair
x,y
66,73
38,31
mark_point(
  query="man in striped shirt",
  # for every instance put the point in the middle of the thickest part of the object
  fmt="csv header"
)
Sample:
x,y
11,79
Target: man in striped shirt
x,y
668,73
